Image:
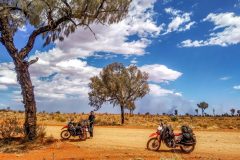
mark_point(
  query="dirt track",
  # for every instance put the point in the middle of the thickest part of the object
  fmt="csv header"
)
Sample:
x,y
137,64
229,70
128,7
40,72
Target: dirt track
x,y
127,143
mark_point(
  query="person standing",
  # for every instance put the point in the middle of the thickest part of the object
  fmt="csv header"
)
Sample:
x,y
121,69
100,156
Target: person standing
x,y
91,119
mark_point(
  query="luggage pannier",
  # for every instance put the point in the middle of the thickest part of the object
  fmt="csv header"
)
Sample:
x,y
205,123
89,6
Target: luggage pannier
x,y
187,133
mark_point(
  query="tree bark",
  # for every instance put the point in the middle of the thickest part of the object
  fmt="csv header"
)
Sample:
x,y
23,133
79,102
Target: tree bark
x,y
23,77
122,114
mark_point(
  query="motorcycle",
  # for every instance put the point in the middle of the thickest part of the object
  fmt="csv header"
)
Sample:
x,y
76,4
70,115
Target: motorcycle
x,y
72,129
165,134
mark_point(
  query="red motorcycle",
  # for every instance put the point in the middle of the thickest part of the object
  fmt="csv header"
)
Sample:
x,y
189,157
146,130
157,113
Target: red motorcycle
x,y
185,140
74,129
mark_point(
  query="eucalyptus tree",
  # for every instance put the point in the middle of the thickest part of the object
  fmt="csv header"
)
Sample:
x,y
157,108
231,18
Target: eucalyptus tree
x,y
232,111
203,106
118,85
53,20
238,112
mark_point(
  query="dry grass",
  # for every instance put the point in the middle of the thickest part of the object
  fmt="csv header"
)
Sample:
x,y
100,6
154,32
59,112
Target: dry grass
x,y
145,121
12,136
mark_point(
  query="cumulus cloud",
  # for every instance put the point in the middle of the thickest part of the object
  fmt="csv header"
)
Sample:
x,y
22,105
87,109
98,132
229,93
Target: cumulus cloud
x,y
156,90
229,23
115,38
160,73
180,21
7,74
61,75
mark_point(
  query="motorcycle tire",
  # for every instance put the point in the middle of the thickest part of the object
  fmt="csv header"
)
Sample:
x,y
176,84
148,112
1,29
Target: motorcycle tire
x,y
153,144
83,136
189,149
65,134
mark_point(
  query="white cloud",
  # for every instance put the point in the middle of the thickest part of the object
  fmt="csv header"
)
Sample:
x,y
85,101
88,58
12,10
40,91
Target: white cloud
x,y
160,73
114,38
225,78
7,74
3,87
156,90
23,28
134,61
236,87
229,35
61,75
180,21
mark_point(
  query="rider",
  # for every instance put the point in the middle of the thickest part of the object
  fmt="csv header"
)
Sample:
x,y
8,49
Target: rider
x,y
91,119
71,125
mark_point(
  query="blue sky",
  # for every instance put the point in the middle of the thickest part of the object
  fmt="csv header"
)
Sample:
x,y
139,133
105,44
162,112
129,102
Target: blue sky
x,y
189,48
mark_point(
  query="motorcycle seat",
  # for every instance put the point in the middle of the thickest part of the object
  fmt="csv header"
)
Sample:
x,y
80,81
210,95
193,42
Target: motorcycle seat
x,y
177,134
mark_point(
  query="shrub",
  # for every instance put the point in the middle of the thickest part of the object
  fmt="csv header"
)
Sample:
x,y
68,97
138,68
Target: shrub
x,y
10,127
61,119
147,113
174,118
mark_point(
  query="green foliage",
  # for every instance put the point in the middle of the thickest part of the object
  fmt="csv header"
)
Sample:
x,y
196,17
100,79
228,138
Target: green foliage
x,y
118,85
62,16
174,118
203,106
232,111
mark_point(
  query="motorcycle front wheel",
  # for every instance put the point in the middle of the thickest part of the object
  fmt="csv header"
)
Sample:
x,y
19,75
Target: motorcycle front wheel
x,y
187,149
153,144
65,134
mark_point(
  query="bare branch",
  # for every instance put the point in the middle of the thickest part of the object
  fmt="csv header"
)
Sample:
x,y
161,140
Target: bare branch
x,y
33,61
24,51
68,6
91,30
99,8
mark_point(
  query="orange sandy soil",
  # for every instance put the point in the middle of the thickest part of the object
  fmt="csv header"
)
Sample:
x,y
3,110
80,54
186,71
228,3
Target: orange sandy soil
x,y
130,143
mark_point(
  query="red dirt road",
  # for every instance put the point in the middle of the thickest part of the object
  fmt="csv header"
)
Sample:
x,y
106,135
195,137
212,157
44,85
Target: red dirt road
x,y
127,143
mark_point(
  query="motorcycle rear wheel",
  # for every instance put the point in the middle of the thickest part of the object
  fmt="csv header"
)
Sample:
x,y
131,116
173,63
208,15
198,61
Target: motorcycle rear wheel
x,y
83,136
187,149
65,134
153,144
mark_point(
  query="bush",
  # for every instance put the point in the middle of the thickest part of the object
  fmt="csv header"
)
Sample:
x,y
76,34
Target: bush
x,y
61,119
174,118
10,127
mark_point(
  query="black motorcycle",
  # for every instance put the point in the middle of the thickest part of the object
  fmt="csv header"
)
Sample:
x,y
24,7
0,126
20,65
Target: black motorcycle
x,y
74,129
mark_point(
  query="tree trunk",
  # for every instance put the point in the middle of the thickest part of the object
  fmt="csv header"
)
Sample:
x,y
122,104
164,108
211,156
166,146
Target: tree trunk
x,y
23,77
131,112
122,114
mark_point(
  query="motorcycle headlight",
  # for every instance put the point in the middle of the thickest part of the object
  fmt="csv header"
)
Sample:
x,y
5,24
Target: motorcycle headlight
x,y
159,128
